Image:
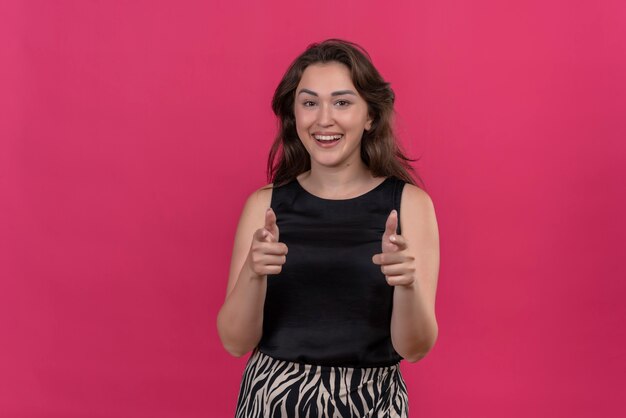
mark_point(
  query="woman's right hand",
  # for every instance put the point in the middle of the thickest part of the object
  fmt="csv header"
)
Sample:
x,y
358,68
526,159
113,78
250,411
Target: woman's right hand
x,y
267,255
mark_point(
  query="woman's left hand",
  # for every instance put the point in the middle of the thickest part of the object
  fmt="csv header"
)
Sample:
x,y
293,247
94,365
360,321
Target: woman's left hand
x,y
396,263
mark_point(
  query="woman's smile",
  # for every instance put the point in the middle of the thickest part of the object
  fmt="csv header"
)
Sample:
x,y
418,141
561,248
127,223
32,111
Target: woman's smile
x,y
327,141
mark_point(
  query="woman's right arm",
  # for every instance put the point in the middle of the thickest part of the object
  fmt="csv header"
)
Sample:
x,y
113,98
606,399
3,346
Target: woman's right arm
x,y
240,320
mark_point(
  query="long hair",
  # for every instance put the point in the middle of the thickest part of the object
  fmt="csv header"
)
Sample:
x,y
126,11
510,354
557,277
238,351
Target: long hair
x,y
380,150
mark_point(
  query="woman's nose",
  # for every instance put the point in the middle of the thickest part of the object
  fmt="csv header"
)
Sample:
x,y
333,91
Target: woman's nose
x,y
325,115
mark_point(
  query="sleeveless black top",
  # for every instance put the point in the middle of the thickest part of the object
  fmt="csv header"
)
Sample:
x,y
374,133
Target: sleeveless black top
x,y
331,305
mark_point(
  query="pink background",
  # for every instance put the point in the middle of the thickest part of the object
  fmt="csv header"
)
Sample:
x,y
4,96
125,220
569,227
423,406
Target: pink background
x,y
131,133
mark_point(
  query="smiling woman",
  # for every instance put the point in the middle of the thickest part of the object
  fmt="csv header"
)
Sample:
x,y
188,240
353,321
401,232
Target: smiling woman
x,y
335,263
316,112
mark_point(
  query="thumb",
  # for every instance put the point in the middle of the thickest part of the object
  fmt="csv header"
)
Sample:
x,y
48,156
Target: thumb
x,y
391,227
270,225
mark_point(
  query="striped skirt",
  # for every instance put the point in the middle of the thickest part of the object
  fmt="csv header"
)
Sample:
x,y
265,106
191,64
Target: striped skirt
x,y
278,388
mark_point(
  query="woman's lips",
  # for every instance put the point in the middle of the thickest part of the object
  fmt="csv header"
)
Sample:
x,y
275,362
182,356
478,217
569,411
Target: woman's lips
x,y
327,144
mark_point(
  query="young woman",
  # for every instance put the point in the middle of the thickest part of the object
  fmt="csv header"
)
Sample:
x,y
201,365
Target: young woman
x,y
325,286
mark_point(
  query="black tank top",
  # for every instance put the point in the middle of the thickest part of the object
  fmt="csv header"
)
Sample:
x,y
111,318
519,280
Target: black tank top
x,y
331,305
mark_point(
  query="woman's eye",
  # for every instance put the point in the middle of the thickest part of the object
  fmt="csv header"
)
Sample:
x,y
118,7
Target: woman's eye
x,y
345,103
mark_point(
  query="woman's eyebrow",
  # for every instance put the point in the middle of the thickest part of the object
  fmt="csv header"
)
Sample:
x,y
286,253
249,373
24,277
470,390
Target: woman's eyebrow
x,y
334,93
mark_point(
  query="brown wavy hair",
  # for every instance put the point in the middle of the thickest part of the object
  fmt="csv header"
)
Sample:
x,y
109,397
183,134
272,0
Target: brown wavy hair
x,y
380,149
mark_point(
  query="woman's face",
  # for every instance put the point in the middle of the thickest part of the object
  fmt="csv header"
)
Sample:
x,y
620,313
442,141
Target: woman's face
x,y
327,103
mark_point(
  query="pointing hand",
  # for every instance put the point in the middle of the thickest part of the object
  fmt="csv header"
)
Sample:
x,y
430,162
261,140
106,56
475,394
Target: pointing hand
x,y
395,262
267,255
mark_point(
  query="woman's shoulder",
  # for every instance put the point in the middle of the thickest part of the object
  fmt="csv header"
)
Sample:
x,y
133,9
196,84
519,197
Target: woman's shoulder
x,y
257,202
262,197
415,199
415,193
266,188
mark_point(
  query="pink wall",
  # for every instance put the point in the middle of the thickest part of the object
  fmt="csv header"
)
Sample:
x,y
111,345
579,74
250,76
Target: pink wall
x,y
132,132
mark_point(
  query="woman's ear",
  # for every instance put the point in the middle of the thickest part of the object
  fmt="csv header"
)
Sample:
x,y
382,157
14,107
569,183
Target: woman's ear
x,y
368,124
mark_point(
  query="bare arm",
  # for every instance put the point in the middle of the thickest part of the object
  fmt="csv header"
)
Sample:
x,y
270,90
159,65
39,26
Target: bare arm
x,y
256,253
410,262
414,327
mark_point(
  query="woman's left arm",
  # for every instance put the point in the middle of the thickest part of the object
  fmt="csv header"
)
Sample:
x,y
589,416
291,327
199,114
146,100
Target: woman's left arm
x,y
410,262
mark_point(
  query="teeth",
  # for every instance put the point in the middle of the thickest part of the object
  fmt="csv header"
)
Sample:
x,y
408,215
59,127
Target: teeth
x,y
327,137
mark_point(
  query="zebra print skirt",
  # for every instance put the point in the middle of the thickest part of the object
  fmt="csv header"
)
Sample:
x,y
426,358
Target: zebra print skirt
x,y
278,388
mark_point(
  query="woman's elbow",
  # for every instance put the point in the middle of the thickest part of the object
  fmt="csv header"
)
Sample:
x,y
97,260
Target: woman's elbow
x,y
424,350
233,347
234,351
